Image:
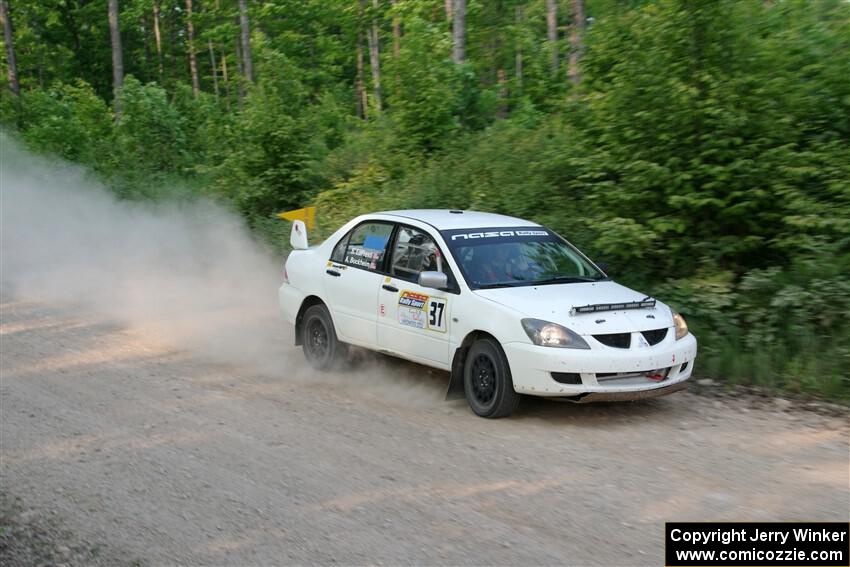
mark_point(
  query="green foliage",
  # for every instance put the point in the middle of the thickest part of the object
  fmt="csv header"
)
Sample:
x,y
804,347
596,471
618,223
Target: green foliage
x,y
151,130
70,121
425,88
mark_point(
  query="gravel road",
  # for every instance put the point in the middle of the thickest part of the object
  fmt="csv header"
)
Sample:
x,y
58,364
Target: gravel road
x,y
152,454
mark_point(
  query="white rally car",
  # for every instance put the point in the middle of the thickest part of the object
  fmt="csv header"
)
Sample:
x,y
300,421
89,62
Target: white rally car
x,y
504,304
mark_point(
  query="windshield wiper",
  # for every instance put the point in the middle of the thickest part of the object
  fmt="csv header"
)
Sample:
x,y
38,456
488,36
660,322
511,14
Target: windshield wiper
x,y
566,279
501,284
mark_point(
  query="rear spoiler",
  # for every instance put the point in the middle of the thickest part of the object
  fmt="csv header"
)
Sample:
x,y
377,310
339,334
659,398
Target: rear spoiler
x,y
645,303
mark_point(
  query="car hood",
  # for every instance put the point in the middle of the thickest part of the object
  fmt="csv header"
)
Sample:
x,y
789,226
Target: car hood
x,y
554,302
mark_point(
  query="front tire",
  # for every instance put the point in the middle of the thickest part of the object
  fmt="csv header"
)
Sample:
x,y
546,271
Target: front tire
x,y
487,380
321,347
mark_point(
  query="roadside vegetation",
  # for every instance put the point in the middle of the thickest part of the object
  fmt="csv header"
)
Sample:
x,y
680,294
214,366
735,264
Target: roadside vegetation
x,y
701,149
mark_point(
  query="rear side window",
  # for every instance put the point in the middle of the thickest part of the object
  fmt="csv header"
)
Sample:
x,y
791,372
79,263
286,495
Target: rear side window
x,y
365,246
339,251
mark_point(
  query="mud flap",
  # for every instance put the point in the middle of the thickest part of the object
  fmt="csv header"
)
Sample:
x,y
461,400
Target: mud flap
x,y
455,389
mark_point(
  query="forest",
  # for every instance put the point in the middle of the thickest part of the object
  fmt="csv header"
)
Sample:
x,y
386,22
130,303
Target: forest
x,y
701,148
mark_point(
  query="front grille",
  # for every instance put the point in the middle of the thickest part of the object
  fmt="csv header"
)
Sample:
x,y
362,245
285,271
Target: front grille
x,y
654,337
616,340
566,377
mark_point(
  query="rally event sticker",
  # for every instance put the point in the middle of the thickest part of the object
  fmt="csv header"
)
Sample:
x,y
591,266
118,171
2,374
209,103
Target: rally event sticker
x,y
422,311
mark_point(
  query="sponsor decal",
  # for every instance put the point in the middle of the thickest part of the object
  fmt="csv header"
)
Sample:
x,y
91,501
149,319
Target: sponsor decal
x,y
412,299
498,234
422,311
410,317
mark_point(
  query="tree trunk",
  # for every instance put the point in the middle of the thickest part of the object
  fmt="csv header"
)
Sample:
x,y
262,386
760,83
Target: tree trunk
x,y
213,67
226,81
459,31
9,38
449,10
502,80
518,59
552,31
358,83
193,58
247,65
146,29
240,88
397,30
158,37
374,55
576,46
117,59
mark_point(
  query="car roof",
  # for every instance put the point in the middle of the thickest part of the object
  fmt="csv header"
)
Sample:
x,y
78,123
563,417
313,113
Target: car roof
x,y
446,219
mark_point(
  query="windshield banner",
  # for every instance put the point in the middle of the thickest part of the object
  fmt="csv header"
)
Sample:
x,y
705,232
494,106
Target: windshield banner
x,y
471,236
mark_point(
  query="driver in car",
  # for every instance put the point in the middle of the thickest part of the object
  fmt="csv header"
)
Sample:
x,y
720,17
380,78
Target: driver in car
x,y
501,263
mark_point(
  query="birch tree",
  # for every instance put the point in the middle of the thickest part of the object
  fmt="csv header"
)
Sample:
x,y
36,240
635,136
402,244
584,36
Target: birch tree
x,y
374,54
552,32
359,83
576,38
157,37
193,59
459,31
247,65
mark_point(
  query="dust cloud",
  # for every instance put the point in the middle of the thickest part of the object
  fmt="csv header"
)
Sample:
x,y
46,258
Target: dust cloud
x,y
189,274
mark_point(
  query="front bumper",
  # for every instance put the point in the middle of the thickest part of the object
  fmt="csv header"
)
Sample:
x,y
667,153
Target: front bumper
x,y
603,373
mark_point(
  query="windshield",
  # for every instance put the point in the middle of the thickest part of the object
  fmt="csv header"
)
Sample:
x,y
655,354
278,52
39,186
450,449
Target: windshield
x,y
510,257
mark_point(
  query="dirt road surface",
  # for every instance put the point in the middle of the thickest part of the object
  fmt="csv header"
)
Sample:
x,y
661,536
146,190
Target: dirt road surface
x,y
159,455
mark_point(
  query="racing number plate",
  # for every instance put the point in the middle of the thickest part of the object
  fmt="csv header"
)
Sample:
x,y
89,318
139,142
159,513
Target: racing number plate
x,y
422,311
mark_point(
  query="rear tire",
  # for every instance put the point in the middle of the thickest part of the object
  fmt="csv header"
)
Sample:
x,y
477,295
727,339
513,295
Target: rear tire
x,y
487,380
321,347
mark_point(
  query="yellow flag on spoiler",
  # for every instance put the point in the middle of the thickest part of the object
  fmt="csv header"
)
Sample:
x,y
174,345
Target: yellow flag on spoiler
x,y
307,214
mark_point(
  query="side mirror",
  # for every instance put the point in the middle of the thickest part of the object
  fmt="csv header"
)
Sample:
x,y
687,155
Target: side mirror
x,y
298,237
435,280
602,266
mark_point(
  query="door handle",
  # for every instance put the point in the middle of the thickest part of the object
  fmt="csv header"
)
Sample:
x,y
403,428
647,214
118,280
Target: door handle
x,y
333,273
388,287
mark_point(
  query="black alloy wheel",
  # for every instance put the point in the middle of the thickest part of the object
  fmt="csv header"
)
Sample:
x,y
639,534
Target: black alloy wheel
x,y
321,347
487,380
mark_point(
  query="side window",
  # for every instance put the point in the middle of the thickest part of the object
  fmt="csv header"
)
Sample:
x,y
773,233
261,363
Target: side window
x,y
339,250
366,246
415,251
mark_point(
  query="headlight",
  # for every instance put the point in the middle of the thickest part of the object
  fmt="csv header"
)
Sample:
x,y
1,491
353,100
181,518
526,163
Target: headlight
x,y
681,326
544,333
